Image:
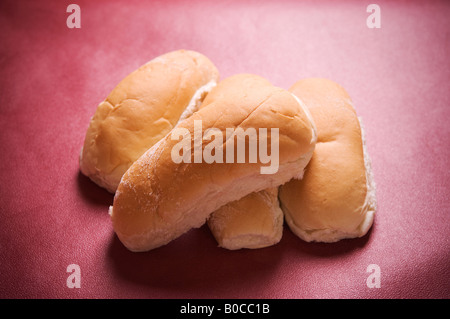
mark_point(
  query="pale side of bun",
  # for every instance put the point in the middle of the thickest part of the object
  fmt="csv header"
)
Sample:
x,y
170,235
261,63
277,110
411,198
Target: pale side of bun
x,y
141,110
255,221
158,200
336,197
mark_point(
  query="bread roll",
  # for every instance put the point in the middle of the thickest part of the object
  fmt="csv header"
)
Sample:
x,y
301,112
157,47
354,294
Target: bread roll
x,y
158,199
336,197
255,221
141,110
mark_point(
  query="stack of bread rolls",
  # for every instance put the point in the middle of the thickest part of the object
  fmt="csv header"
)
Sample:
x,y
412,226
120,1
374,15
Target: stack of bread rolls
x,y
322,186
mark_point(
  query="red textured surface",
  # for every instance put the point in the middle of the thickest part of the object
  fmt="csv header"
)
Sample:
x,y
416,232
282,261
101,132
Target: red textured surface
x,y
52,79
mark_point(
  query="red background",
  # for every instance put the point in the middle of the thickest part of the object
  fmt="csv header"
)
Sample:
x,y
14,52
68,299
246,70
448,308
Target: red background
x,y
52,79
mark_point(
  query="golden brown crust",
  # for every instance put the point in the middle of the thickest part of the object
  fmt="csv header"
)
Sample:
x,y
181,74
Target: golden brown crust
x,y
140,111
330,202
158,200
237,224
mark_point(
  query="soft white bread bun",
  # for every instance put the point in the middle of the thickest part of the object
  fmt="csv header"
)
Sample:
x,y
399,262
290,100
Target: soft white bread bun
x,y
158,200
141,110
255,221
336,197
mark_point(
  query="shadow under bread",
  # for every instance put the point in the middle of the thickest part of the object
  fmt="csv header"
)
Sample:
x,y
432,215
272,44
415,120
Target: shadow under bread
x,y
92,193
194,262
